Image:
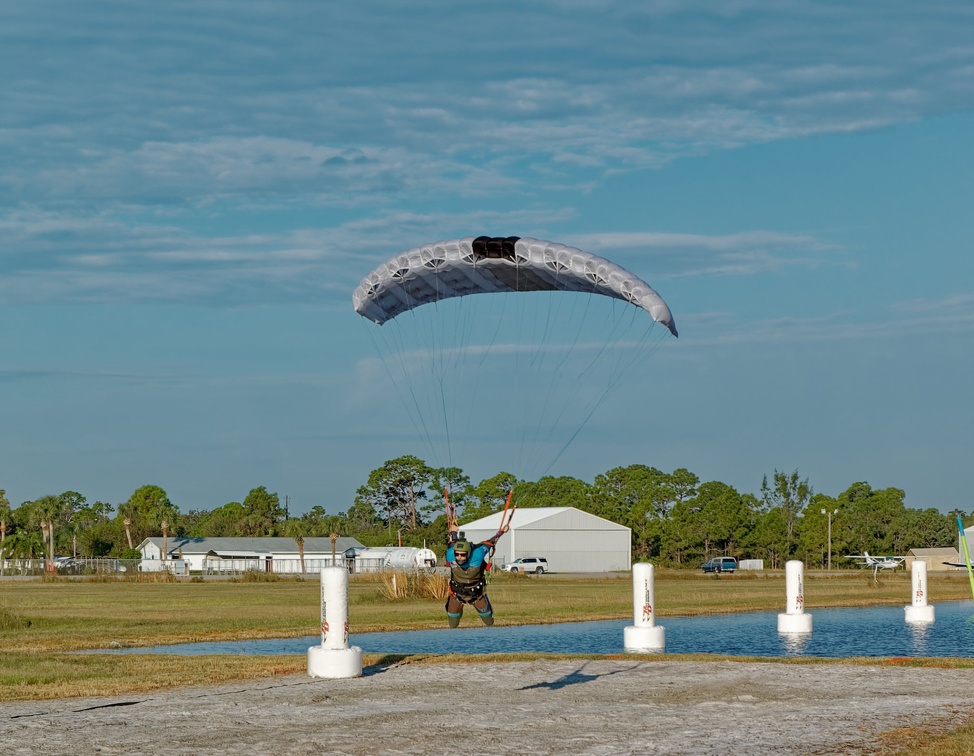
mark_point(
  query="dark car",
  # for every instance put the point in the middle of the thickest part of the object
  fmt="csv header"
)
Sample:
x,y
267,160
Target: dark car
x,y
720,564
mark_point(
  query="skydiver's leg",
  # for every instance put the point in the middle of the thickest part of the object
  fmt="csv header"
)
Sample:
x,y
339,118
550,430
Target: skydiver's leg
x,y
454,610
484,609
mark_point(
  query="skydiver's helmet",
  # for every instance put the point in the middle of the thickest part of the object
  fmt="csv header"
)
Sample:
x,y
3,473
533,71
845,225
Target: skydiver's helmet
x,y
461,551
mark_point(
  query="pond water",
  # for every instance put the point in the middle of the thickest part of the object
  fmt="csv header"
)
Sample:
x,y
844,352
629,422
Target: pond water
x,y
873,631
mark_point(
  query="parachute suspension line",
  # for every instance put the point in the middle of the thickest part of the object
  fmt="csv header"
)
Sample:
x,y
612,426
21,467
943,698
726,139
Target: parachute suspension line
x,y
561,402
390,356
413,357
445,380
628,358
451,511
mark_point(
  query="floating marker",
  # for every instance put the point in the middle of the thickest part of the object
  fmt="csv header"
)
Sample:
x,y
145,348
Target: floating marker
x,y
794,620
919,611
334,658
644,635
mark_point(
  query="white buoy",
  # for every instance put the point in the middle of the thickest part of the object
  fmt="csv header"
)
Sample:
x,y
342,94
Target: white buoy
x,y
334,658
919,611
644,635
794,620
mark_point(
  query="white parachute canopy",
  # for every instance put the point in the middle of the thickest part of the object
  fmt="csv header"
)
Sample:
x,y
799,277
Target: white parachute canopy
x,y
485,265
521,370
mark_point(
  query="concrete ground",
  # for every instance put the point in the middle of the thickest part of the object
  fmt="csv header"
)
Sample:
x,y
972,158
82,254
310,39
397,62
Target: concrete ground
x,y
612,706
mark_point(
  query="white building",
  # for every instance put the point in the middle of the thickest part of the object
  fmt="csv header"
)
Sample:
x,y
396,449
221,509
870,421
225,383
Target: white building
x,y
570,539
269,554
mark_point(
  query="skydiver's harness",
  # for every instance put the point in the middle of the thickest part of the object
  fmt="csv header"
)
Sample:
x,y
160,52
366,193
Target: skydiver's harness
x,y
467,594
468,584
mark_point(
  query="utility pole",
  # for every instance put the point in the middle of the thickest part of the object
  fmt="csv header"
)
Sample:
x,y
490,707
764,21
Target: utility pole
x,y
826,512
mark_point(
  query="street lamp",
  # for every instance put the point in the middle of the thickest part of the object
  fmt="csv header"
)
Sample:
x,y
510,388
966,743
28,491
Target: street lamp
x,y
826,512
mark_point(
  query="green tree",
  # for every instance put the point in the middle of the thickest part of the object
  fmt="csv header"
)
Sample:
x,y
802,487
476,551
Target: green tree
x,y
551,491
318,523
395,490
789,495
223,522
142,514
489,496
866,517
5,519
450,479
263,513
640,497
769,539
726,517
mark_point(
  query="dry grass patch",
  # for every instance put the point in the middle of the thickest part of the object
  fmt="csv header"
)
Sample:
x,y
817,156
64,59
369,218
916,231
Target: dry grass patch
x,y
397,586
29,677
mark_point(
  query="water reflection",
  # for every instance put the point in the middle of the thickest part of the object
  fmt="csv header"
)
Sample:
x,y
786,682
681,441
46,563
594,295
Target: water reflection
x,y
794,643
874,631
920,635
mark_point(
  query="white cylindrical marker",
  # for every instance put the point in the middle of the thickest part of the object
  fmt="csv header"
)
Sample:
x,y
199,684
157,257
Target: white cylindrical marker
x,y
794,620
644,635
334,658
919,611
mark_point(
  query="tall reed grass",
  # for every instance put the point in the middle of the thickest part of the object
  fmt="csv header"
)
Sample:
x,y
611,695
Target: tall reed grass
x,y
402,586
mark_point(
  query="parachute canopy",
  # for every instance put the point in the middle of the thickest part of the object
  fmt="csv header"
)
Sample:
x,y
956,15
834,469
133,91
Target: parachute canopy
x,y
483,265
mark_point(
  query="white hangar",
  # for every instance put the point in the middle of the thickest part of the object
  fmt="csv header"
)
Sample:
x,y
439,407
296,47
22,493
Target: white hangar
x,y
570,539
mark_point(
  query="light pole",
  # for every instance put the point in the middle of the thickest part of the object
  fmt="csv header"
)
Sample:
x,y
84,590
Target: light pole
x,y
826,512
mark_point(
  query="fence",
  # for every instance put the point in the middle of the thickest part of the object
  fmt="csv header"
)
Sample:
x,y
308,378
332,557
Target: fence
x,y
210,566
229,566
68,566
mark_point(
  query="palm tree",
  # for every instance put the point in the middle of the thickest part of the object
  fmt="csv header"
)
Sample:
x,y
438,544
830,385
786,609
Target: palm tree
x,y
165,538
300,541
3,546
4,519
125,511
45,529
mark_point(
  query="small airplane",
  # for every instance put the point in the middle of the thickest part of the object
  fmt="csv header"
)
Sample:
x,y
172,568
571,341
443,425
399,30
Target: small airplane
x,y
878,562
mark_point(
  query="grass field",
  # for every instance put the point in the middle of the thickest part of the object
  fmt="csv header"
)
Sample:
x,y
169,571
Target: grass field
x,y
43,620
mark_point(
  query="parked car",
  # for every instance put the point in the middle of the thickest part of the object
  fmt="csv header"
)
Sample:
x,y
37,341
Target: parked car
x,y
720,564
537,565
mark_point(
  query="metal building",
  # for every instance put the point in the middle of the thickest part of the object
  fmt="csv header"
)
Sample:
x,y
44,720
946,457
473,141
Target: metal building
x,y
570,539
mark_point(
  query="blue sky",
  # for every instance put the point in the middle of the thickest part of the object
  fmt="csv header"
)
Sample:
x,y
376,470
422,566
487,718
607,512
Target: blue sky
x,y
190,191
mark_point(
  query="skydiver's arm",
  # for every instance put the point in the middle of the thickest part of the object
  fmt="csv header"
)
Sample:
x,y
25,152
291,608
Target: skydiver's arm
x,y
492,541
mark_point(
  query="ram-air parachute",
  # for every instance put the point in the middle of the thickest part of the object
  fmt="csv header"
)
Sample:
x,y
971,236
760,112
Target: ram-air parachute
x,y
485,265
525,367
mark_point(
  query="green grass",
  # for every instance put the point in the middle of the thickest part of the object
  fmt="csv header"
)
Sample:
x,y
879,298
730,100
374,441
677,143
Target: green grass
x,y
42,620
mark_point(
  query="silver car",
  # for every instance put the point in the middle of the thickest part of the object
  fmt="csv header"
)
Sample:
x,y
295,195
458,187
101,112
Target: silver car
x,y
537,565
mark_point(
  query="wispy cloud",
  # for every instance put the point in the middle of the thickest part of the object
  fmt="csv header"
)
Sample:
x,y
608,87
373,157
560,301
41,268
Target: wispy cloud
x,y
205,154
951,315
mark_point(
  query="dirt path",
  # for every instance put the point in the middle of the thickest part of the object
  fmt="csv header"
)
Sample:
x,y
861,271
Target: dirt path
x,y
537,707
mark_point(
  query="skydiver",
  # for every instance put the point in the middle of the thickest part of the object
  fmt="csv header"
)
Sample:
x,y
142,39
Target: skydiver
x,y
468,565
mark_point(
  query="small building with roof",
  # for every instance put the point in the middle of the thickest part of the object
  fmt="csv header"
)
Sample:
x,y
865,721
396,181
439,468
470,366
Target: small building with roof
x,y
262,554
570,539
944,559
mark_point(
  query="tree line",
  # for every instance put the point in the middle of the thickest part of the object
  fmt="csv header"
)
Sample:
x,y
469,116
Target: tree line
x,y
676,520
